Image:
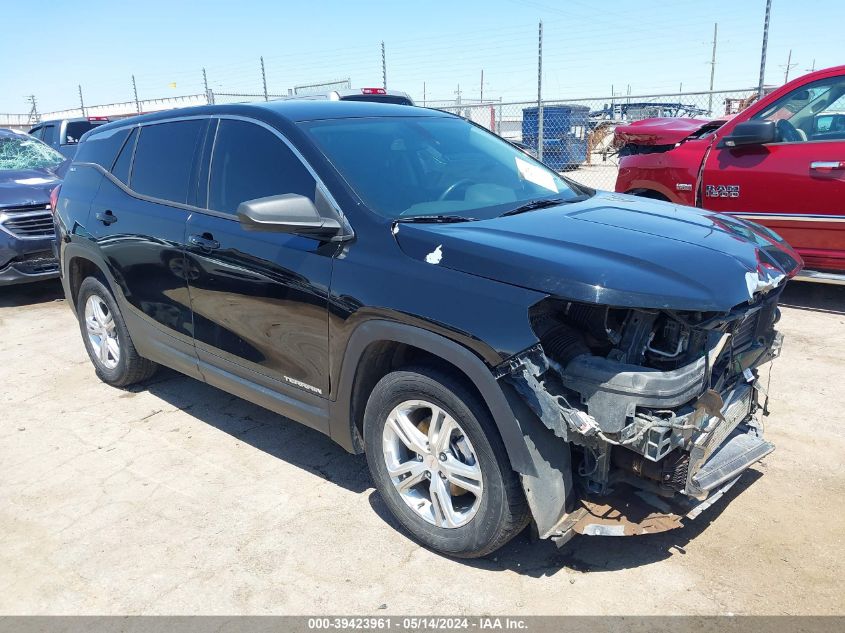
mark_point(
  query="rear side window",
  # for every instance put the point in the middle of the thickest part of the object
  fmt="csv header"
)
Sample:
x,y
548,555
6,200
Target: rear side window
x,y
164,159
250,162
124,159
75,129
102,148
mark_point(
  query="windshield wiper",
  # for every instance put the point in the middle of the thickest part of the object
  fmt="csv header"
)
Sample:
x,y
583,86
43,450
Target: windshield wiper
x,y
434,219
542,203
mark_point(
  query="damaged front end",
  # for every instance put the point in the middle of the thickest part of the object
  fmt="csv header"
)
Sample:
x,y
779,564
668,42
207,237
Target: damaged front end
x,y
659,408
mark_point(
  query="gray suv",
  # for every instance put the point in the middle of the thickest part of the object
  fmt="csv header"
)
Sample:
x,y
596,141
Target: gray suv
x,y
63,134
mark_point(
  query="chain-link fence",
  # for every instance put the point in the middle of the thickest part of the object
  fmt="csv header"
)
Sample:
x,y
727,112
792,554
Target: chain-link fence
x,y
242,97
578,133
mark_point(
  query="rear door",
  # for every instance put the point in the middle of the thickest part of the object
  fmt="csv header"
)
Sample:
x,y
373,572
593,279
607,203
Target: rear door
x,y
795,186
138,221
259,299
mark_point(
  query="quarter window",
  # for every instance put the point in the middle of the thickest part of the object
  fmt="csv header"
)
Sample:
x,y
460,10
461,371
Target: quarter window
x,y
164,159
250,162
124,159
102,148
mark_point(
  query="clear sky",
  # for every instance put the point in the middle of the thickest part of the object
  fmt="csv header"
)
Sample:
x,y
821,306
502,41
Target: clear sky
x,y
653,45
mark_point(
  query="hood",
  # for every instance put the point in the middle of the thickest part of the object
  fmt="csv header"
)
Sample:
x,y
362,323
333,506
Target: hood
x,y
614,249
661,131
19,187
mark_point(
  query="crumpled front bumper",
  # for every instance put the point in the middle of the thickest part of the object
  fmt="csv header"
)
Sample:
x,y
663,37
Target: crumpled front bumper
x,y
632,511
26,260
717,447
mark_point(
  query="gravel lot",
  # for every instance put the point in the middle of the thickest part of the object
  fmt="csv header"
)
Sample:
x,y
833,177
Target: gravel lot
x,y
178,498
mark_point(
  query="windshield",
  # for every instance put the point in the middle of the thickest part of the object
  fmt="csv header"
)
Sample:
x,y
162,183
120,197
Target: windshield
x,y
439,166
24,152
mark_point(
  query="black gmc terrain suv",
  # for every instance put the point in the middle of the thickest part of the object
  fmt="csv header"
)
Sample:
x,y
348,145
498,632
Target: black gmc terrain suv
x,y
504,345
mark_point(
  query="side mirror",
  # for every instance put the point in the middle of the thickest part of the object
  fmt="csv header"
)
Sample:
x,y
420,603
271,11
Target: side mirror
x,y
751,133
286,213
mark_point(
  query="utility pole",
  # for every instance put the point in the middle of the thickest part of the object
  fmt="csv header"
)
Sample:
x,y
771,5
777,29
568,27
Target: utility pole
x,y
482,86
540,93
765,46
209,96
81,102
264,79
712,69
34,117
813,68
135,92
458,93
423,94
612,102
788,66
383,67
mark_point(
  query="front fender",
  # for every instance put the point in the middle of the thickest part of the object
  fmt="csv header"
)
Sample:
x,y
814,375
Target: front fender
x,y
377,330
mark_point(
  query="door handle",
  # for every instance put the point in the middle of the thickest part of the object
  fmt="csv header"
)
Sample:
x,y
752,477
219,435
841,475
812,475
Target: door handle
x,y
827,165
106,217
205,241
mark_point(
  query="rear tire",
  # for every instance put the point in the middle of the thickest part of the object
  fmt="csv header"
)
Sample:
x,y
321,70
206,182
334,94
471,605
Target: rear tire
x,y
107,341
416,407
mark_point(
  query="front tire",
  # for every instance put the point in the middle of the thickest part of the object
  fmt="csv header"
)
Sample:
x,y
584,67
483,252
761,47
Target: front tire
x,y
439,463
107,341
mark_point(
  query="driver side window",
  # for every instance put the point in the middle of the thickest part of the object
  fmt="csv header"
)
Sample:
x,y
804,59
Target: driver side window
x,y
809,113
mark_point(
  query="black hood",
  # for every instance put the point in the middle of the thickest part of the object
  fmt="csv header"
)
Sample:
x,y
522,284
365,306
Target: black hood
x,y
617,250
20,187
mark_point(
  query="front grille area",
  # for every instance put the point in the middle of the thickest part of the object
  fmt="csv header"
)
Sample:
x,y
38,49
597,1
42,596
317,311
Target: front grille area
x,y
744,334
755,325
32,221
36,263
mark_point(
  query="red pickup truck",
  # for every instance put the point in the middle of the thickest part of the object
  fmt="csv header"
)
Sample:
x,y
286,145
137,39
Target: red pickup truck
x,y
780,162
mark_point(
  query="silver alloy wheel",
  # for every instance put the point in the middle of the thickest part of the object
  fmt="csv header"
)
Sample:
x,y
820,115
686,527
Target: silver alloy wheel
x,y
432,464
102,333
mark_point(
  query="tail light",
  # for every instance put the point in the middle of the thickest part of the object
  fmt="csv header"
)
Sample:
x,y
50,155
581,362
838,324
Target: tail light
x,y
54,199
98,118
373,91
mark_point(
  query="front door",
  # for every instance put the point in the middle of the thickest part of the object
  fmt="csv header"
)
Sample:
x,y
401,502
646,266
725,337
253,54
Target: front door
x,y
795,186
259,299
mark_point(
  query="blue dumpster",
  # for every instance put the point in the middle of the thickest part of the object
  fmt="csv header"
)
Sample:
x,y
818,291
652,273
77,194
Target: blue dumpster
x,y
564,134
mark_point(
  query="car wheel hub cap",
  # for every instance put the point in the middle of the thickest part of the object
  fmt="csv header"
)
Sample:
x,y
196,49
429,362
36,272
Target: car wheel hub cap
x,y
432,464
102,333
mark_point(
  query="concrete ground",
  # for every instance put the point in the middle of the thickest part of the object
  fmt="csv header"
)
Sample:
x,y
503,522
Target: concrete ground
x,y
176,498
599,175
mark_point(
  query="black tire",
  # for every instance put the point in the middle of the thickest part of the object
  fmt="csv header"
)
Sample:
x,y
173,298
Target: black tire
x,y
131,367
502,512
